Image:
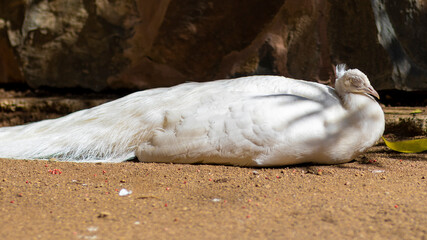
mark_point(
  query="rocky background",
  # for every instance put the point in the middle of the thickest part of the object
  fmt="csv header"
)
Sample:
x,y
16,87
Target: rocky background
x,y
136,44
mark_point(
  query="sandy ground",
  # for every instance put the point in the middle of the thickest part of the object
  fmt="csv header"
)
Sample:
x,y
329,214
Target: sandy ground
x,y
381,195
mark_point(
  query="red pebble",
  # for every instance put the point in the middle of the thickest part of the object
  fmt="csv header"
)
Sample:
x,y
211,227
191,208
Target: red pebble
x,y
104,172
395,206
54,171
12,201
166,204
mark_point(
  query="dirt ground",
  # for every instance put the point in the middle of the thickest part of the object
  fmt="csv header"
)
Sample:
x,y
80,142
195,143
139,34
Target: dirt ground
x,y
381,195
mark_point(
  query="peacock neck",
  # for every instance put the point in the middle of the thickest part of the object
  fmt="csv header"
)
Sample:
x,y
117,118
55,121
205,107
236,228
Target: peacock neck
x,y
358,102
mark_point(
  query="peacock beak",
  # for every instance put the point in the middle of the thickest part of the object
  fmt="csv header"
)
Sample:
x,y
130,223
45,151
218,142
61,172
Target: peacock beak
x,y
370,90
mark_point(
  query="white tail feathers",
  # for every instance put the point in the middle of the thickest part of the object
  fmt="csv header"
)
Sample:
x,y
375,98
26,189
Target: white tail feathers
x,y
71,138
90,135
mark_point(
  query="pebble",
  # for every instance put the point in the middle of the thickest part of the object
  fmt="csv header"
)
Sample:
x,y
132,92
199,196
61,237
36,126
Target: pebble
x,y
124,192
92,229
104,214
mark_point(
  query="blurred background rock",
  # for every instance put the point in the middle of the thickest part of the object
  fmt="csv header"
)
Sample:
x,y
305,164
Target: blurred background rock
x,y
137,44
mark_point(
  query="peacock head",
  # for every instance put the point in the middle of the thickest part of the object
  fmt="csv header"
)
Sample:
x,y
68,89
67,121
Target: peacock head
x,y
353,81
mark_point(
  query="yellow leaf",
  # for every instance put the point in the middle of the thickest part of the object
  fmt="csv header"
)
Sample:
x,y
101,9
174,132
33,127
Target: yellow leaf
x,y
417,111
408,146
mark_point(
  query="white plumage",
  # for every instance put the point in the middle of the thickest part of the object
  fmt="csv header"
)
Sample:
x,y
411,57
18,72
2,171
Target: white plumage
x,y
249,121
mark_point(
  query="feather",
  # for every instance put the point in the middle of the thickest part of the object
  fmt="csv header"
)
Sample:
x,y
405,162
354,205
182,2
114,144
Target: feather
x,y
249,121
340,70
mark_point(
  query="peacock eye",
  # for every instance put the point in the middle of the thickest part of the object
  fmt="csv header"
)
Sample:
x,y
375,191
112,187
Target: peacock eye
x,y
356,82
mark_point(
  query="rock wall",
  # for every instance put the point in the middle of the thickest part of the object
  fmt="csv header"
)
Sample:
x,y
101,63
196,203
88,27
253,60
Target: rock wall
x,y
135,44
